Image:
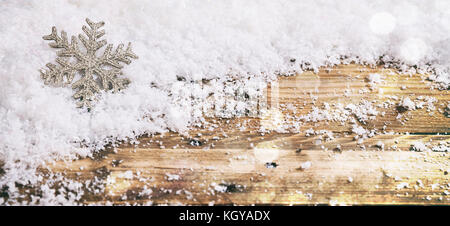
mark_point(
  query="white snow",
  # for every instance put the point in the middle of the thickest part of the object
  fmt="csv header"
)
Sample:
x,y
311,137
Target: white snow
x,y
382,23
374,78
359,130
171,177
305,165
126,175
413,49
419,146
194,40
408,104
350,179
402,185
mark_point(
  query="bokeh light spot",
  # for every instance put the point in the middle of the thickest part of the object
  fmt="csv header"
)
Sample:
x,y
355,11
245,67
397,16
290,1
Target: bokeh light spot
x,y
266,152
413,50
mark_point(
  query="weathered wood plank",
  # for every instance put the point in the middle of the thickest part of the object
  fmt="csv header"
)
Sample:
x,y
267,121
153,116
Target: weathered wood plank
x,y
230,161
348,84
378,176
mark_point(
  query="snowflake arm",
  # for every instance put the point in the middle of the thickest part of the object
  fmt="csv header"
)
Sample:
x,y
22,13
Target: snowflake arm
x,y
55,75
68,49
93,33
110,79
114,59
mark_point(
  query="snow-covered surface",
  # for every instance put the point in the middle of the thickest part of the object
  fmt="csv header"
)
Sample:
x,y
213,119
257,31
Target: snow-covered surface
x,y
194,40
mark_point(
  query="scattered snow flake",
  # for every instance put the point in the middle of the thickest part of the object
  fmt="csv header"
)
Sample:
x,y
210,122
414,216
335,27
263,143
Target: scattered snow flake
x,y
380,145
374,78
402,185
349,179
406,104
419,147
271,165
127,175
172,177
305,165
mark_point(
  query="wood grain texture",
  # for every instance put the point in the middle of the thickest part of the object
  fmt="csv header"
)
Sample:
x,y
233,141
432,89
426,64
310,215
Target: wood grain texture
x,y
236,164
348,84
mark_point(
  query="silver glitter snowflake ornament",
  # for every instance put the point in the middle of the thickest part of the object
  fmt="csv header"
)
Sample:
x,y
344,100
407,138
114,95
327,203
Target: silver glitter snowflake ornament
x,y
96,72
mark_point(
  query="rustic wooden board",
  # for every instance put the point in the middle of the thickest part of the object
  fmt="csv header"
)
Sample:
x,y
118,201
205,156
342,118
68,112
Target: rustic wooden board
x,y
331,85
377,175
228,164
